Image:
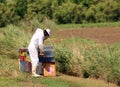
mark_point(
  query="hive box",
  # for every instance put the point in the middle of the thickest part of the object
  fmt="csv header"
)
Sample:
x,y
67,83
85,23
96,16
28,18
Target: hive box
x,y
24,60
25,66
46,59
28,66
49,69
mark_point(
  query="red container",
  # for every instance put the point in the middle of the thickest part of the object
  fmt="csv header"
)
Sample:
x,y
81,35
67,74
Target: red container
x,y
22,58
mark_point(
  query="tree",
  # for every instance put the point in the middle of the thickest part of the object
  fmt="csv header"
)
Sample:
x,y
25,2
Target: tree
x,y
40,9
2,10
21,7
64,14
2,1
112,10
7,13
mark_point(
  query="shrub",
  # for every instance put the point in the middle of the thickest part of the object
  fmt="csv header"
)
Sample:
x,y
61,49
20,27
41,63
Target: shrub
x,y
12,39
67,59
102,62
90,60
64,60
64,14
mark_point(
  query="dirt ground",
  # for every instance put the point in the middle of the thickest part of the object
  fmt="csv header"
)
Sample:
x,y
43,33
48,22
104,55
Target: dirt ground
x,y
104,35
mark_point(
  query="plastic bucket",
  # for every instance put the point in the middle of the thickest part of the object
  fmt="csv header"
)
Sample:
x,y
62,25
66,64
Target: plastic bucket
x,y
22,63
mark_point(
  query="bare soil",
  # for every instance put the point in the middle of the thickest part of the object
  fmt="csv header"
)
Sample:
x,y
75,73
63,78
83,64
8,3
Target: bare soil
x,y
104,35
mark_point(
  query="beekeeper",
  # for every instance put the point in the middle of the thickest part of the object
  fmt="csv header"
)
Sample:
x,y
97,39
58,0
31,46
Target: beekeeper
x,y
35,44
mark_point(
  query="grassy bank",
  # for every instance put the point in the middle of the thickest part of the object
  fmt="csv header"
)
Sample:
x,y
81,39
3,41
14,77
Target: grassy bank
x,y
11,76
89,59
74,56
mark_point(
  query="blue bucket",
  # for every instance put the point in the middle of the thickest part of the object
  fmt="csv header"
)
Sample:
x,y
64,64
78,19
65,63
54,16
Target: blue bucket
x,y
22,65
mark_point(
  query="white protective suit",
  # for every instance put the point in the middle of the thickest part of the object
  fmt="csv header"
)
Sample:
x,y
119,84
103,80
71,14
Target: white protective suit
x,y
36,41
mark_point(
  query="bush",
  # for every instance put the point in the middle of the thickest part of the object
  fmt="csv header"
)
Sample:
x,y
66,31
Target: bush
x,y
9,16
90,60
12,39
63,58
102,62
67,60
64,14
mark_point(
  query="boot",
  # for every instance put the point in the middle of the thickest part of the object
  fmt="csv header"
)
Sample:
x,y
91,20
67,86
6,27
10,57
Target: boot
x,y
39,68
34,74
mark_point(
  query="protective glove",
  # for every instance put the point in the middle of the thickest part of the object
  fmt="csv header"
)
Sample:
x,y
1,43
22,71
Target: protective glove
x,y
41,53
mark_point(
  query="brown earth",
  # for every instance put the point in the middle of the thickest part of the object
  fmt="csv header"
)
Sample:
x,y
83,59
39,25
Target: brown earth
x,y
107,35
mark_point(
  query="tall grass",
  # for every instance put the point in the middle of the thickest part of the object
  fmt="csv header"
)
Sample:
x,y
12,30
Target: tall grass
x,y
80,57
103,62
33,24
12,38
8,67
90,60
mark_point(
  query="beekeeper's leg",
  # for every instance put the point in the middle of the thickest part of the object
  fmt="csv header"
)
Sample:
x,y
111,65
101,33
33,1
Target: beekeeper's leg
x,y
39,68
34,60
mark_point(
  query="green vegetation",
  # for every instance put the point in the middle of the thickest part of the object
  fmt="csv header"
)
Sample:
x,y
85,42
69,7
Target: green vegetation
x,y
86,58
60,11
33,82
74,56
60,81
11,38
90,25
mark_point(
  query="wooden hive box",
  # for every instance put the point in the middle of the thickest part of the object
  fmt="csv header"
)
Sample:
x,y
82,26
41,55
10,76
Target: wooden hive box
x,y
49,69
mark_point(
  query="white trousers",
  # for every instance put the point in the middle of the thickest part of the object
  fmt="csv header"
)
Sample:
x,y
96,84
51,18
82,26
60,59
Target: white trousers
x,y
33,52
34,56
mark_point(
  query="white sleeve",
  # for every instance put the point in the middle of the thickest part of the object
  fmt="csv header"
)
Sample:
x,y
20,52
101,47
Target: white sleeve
x,y
40,42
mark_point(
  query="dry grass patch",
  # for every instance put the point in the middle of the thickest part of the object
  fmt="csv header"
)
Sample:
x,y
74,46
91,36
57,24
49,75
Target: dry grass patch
x,y
89,82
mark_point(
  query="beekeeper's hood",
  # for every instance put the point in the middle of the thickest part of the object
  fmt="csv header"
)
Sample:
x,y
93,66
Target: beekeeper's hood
x,y
48,31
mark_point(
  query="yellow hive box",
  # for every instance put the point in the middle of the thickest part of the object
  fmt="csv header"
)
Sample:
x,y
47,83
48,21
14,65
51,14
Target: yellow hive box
x,y
49,69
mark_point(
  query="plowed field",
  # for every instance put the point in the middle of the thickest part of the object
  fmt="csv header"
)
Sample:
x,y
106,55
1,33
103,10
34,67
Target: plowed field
x,y
103,35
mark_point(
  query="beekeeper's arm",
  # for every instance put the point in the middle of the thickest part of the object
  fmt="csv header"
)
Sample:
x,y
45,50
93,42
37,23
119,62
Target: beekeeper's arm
x,y
41,50
41,46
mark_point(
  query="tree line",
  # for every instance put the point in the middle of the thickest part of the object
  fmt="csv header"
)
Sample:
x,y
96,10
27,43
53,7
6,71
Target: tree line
x,y
60,11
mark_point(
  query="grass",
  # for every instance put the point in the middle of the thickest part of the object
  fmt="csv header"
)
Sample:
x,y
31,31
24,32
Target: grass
x,y
89,59
11,76
60,81
53,82
89,25
74,56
